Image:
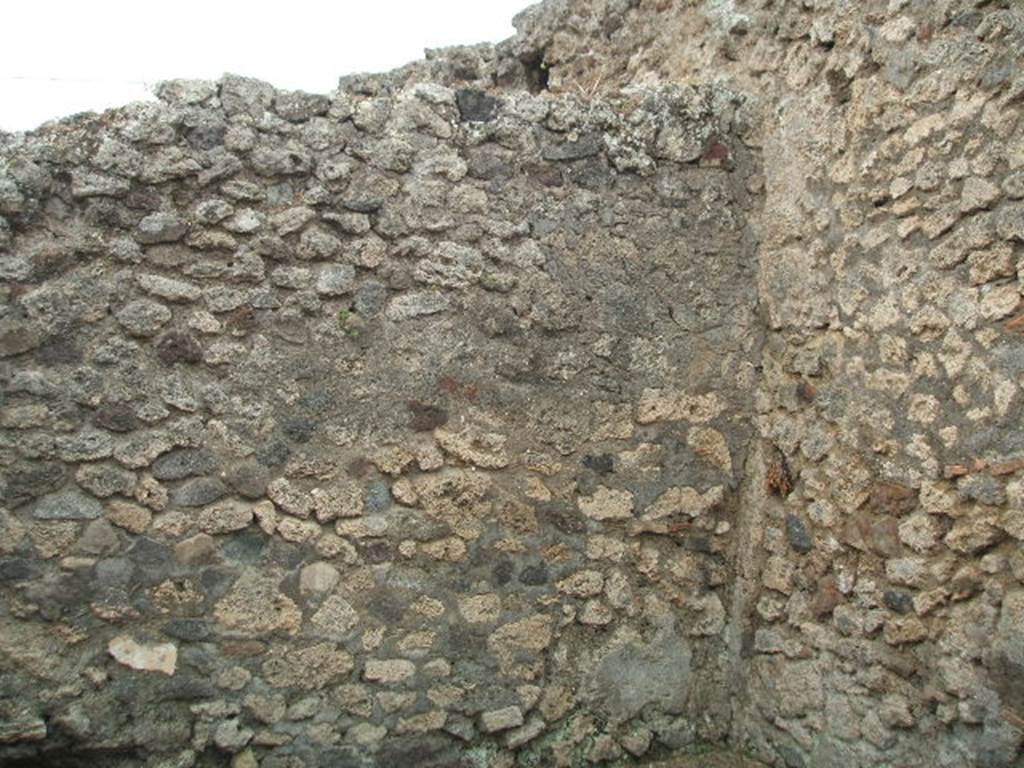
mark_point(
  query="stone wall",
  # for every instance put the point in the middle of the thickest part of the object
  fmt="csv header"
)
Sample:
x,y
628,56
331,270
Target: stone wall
x,y
397,427
647,380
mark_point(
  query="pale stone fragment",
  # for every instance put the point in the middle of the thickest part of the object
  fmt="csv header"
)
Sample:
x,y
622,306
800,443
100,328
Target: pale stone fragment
x,y
159,657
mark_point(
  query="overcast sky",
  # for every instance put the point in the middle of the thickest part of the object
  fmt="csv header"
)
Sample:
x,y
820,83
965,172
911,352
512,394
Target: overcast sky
x,y
59,57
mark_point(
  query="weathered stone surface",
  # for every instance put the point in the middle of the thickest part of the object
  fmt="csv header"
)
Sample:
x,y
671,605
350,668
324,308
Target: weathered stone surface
x,y
582,584
22,730
290,499
335,618
413,305
143,317
17,337
532,634
198,492
629,678
231,737
796,532
105,480
336,280
476,106
177,347
318,577
195,549
501,719
255,606
168,288
224,518
248,479
309,668
481,449
183,462
161,227
68,505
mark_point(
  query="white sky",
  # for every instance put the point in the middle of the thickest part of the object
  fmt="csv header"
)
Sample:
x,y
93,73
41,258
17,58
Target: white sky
x,y
59,57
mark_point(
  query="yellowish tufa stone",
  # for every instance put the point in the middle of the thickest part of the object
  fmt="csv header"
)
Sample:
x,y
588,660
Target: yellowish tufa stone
x,y
607,504
684,500
388,671
132,517
422,723
657,405
255,606
711,446
480,609
309,668
481,449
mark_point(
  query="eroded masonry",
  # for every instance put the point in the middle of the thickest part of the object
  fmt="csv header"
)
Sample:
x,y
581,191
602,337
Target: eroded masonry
x,y
646,382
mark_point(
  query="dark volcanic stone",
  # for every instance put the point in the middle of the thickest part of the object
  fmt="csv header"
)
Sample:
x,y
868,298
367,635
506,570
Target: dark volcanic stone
x,y
155,560
16,569
199,492
431,751
175,347
378,497
425,417
376,552
117,417
205,137
799,539
602,464
245,547
370,298
588,145
900,602
273,454
241,321
183,462
248,479
185,688
386,605
476,106
58,350
216,581
29,480
68,505
461,727
16,338
981,488
298,429
114,572
545,174
489,165
501,573
534,575
189,630
562,516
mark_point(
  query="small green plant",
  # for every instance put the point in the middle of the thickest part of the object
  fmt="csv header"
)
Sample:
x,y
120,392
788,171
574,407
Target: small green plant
x,y
347,322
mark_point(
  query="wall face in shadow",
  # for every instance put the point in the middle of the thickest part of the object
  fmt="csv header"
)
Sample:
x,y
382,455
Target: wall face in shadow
x,y
400,427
